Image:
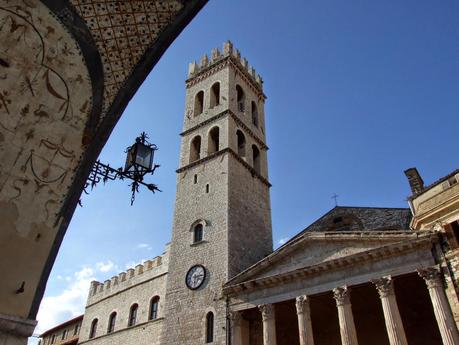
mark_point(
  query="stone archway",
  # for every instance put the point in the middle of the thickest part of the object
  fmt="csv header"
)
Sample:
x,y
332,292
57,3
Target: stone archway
x,y
67,71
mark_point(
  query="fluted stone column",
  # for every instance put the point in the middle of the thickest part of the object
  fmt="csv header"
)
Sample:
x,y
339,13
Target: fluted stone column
x,y
303,312
346,319
269,324
236,329
442,309
394,325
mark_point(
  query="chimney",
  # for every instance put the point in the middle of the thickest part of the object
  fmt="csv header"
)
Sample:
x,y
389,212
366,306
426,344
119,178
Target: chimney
x,y
415,180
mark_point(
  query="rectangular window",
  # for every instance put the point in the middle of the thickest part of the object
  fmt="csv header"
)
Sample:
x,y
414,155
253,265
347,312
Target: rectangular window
x,y
64,334
75,330
53,338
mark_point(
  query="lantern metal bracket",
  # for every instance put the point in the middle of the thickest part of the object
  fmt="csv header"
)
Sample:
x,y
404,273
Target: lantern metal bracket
x,y
133,171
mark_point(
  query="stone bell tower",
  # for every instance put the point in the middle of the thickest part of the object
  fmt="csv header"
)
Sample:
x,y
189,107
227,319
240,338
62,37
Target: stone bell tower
x,y
222,220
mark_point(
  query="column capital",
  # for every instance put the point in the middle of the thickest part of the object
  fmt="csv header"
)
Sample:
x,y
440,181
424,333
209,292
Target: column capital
x,y
341,295
301,302
235,318
431,276
384,286
267,311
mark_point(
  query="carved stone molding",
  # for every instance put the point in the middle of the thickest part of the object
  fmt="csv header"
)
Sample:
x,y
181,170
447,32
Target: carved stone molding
x,y
267,311
235,318
384,286
301,303
432,276
342,295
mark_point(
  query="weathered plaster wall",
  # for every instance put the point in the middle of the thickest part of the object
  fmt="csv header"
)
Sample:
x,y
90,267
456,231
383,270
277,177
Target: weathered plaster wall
x,y
45,101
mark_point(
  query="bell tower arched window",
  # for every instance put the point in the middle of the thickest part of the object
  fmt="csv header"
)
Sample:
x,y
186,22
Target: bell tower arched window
x,y
215,95
209,327
254,114
240,143
133,315
197,233
195,149
256,158
198,103
214,140
93,329
240,97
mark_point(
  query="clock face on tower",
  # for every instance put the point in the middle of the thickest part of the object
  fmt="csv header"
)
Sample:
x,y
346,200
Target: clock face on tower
x,y
195,277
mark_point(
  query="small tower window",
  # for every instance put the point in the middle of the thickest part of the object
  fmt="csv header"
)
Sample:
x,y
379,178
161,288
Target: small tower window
x,y
215,95
198,103
254,114
93,329
133,315
154,304
213,142
240,96
197,233
195,149
256,158
111,322
240,143
209,327
195,179
207,188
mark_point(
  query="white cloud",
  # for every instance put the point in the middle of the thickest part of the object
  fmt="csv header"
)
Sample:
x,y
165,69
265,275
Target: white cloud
x,y
144,246
283,241
66,305
106,266
72,300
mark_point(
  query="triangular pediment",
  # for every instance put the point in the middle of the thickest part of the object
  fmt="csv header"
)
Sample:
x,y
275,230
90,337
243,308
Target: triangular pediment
x,y
314,248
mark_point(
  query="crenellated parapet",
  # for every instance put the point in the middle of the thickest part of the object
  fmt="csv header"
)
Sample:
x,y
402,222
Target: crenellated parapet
x,y
150,269
229,54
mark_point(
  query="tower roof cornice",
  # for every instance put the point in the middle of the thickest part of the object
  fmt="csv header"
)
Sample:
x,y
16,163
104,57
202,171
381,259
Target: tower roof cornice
x,y
199,71
221,153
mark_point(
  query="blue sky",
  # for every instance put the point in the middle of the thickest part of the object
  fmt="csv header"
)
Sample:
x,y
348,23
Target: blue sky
x,y
358,91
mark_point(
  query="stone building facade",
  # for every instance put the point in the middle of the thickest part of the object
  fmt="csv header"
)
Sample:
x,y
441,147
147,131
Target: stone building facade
x,y
66,333
381,276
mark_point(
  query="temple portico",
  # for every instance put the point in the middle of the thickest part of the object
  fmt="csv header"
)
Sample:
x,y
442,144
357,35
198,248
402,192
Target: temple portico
x,y
351,315
390,293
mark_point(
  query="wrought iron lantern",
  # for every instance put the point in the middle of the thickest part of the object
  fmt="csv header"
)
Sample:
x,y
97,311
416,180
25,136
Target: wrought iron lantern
x,y
139,162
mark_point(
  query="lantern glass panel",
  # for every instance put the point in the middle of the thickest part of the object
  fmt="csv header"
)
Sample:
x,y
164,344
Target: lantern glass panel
x,y
129,166
144,156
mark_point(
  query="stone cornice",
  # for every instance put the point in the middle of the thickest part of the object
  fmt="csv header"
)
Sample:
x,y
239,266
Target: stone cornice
x,y
221,153
432,213
218,66
235,118
330,265
142,324
291,245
